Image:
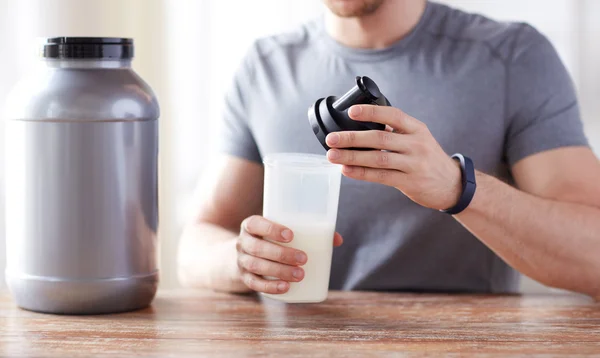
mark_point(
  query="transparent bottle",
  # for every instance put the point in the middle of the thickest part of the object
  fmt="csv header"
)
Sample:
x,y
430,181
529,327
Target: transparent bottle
x,y
301,191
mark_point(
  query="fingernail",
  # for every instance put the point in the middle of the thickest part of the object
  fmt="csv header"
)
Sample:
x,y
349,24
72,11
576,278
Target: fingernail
x,y
355,110
333,138
287,234
300,257
297,273
334,154
281,287
348,169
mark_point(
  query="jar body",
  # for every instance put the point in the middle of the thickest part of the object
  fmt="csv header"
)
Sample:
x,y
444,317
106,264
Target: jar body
x,y
81,185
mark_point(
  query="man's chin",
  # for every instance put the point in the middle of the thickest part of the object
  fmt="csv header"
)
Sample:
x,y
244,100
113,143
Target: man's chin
x,y
353,8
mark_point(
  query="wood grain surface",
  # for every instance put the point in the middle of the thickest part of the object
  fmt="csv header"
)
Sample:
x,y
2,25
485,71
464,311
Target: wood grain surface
x,y
198,323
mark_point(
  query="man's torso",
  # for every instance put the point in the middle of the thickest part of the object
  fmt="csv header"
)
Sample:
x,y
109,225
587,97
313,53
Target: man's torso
x,y
449,73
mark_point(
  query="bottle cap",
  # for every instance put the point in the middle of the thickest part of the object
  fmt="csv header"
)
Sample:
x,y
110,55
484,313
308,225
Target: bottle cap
x,y
330,114
99,48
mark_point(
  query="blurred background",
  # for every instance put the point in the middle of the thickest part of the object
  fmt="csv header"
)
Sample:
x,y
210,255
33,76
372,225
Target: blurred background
x,y
188,49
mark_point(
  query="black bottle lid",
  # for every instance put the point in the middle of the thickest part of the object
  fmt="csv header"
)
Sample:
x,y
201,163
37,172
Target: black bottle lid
x,y
100,48
330,114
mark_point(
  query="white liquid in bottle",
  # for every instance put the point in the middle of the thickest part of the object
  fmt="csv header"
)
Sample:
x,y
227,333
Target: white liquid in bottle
x,y
316,240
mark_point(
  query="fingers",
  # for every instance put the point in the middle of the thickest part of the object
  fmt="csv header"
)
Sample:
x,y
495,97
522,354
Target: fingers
x,y
338,240
383,140
264,267
270,251
260,284
391,116
258,256
381,176
371,159
261,227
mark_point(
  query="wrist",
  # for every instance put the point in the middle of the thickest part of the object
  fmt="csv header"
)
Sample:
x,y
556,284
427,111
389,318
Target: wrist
x,y
220,271
451,188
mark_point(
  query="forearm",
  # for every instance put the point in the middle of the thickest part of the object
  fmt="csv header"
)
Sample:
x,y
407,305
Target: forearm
x,y
208,259
556,243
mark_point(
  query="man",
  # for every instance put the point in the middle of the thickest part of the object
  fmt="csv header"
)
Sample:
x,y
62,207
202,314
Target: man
x,y
460,83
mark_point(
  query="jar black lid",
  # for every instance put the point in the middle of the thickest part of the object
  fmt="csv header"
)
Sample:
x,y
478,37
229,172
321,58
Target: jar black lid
x,y
88,48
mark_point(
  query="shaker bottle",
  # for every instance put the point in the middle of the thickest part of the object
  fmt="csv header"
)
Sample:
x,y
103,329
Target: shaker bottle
x,y
301,191
81,181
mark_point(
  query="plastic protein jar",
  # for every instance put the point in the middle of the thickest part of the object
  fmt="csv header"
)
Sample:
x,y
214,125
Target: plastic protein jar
x,y
81,181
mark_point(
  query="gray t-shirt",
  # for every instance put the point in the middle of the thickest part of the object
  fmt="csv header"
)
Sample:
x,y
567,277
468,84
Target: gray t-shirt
x,y
494,91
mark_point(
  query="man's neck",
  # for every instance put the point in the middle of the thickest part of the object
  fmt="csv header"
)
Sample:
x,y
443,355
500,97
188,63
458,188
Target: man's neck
x,y
390,23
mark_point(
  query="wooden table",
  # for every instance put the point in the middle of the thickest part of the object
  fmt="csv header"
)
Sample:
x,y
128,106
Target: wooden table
x,y
196,323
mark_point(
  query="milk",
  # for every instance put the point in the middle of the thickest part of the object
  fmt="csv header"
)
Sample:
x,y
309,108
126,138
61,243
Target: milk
x,y
301,192
316,240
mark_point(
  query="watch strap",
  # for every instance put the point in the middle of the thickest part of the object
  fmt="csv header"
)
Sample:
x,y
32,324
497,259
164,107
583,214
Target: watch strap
x,y
469,184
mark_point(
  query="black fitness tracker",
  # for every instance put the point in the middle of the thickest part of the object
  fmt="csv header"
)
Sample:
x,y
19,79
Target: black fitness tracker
x,y
469,185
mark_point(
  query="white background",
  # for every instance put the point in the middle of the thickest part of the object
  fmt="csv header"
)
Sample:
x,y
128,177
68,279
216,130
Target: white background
x,y
187,50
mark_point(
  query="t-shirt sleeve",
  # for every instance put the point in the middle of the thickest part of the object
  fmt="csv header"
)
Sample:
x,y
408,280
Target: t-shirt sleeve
x,y
542,107
235,135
